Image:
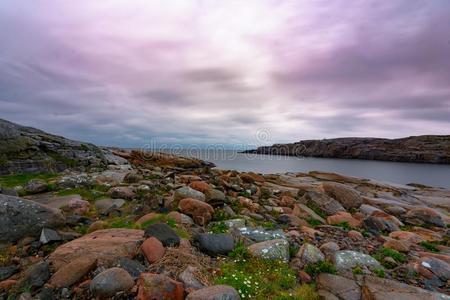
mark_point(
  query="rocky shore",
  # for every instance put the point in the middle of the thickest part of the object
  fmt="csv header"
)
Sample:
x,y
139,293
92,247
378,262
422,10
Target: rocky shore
x,y
156,226
418,149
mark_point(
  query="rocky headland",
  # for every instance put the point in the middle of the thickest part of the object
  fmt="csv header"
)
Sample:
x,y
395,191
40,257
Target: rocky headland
x,y
418,149
137,225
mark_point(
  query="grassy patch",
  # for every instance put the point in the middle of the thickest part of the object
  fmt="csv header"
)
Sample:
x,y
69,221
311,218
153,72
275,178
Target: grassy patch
x,y
239,251
316,209
11,181
268,225
256,278
379,272
357,270
302,292
320,267
219,227
220,215
5,257
344,225
430,246
313,222
385,252
88,194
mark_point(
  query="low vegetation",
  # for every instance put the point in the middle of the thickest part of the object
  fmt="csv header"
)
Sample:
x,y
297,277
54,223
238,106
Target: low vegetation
x,y
11,181
320,267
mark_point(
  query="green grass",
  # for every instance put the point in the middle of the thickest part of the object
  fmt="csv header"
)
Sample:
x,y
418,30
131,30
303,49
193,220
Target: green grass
x,y
344,225
163,218
302,292
316,209
320,267
11,181
219,227
386,252
239,251
431,246
220,215
256,278
268,225
93,194
379,272
357,270
313,222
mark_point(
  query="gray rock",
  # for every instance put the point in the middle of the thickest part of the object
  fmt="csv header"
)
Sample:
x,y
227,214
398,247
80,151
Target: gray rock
x,y
261,234
49,235
187,192
110,282
35,276
216,292
166,235
29,150
6,272
329,248
339,286
75,181
273,249
375,288
309,254
347,260
20,218
133,267
133,177
36,186
215,197
235,223
438,267
188,278
368,209
325,203
104,205
122,192
348,197
215,244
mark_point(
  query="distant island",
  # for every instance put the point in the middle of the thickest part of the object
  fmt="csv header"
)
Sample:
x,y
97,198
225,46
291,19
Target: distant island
x,y
418,149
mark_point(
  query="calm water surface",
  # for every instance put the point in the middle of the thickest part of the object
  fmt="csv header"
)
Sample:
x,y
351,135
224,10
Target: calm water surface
x,y
428,174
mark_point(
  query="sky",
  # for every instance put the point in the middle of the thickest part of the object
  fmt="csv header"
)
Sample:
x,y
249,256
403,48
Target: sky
x,y
254,72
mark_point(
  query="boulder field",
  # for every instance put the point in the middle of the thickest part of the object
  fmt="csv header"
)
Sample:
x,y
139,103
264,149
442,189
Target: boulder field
x,y
152,229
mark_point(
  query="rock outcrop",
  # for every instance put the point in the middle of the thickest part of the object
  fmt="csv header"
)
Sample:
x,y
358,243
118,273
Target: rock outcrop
x,y
21,218
29,150
419,149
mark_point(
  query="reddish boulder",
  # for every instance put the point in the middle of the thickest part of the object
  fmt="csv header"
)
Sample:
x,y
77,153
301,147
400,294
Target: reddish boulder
x,y
200,186
153,249
159,287
200,211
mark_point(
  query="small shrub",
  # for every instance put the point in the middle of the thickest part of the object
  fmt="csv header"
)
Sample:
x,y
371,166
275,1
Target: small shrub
x,y
239,251
344,225
379,272
386,252
220,215
293,249
5,257
268,225
219,227
313,222
429,246
320,267
357,270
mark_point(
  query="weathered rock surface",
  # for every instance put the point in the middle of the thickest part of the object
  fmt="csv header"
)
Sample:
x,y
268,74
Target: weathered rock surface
x,y
20,218
166,235
216,292
29,150
215,244
347,259
109,282
157,286
105,246
273,249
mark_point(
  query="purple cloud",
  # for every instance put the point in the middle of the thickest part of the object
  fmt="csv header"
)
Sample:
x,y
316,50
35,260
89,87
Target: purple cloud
x,y
121,73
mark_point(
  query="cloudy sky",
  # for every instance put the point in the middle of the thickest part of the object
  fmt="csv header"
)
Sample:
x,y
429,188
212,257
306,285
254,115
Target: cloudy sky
x,y
127,73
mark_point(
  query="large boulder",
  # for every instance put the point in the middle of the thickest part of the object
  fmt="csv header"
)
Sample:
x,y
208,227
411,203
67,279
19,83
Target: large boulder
x,y
20,218
29,150
158,286
339,286
273,249
111,281
200,211
375,288
215,244
105,246
347,260
323,202
348,197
